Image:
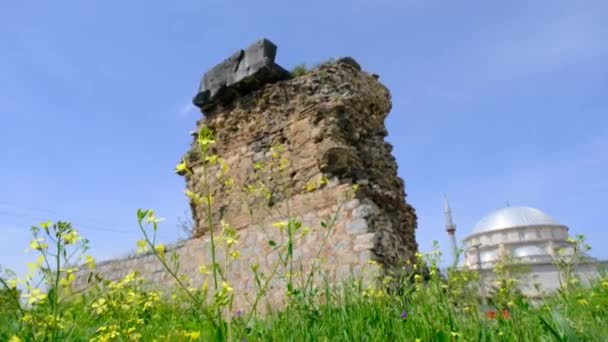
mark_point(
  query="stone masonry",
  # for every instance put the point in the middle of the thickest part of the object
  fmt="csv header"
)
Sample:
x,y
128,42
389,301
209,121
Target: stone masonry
x,y
331,123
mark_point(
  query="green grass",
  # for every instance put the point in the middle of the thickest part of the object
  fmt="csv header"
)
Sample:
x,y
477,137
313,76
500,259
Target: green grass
x,y
431,316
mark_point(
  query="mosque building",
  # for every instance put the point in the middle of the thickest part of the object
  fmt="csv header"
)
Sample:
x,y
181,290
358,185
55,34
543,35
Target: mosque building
x,y
528,237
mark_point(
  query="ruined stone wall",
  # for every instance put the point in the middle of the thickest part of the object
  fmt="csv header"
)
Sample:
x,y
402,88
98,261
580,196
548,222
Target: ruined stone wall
x,y
331,124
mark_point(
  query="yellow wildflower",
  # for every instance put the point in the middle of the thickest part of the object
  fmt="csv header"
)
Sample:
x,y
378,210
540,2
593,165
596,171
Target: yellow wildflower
x,y
99,306
38,244
71,237
142,246
90,262
231,241
229,182
212,159
181,168
14,338
68,280
153,219
35,296
160,248
235,255
46,225
281,225
323,181
226,287
310,187
195,335
204,270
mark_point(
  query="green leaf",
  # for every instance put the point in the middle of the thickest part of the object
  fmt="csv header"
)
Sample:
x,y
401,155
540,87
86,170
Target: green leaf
x,y
442,336
141,214
549,328
272,243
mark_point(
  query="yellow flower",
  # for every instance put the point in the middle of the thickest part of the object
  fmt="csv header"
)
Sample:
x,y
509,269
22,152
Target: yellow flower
x,y
142,246
323,181
34,296
14,338
195,335
90,262
38,244
212,159
455,334
181,168
231,241
12,283
310,187
71,237
227,288
235,255
68,280
204,270
281,225
153,219
160,248
99,306
46,225
229,182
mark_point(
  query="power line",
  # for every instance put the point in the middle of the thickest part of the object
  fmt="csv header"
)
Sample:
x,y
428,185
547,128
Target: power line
x,y
36,209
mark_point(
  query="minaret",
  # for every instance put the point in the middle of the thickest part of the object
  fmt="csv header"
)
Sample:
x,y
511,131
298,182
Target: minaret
x,y
450,227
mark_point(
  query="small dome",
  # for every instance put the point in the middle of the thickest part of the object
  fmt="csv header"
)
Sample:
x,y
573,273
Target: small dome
x,y
528,251
513,217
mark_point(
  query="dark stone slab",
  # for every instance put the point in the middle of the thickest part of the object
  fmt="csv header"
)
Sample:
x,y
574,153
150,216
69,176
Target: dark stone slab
x,y
349,61
245,71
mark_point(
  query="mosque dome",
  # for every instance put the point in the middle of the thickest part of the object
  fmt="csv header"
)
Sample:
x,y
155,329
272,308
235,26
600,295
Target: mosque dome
x,y
510,217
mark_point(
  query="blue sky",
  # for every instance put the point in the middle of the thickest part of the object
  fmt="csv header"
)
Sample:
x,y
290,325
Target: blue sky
x,y
493,101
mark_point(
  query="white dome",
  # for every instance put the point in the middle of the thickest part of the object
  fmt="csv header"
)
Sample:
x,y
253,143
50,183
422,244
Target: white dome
x,y
513,217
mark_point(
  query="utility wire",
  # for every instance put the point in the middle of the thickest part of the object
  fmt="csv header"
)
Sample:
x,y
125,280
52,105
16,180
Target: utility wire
x,y
36,209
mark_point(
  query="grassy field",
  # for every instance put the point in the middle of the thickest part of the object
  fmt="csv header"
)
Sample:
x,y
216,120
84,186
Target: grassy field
x,y
417,309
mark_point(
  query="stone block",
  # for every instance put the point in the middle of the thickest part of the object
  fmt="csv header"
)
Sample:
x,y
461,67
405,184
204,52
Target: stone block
x,y
363,211
364,242
357,226
243,72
